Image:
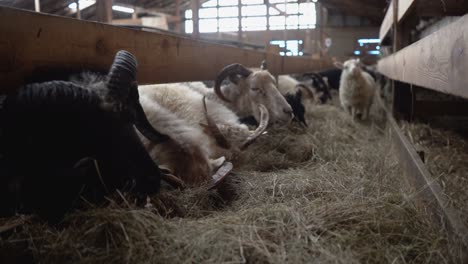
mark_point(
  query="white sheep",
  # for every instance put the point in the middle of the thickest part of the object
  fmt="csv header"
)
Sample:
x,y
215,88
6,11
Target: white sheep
x,y
357,88
202,132
248,89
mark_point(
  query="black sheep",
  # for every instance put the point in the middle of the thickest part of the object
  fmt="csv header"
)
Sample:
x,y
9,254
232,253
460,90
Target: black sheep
x,y
60,141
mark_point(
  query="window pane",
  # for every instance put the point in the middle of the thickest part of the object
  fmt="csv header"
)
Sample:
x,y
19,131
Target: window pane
x,y
257,10
306,26
252,2
293,47
307,20
280,1
228,24
228,2
210,3
188,14
274,11
254,23
307,9
291,8
188,26
280,43
208,25
292,22
208,12
277,22
228,11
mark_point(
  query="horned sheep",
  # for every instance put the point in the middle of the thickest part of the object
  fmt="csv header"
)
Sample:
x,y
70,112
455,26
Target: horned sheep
x,y
202,132
63,140
248,88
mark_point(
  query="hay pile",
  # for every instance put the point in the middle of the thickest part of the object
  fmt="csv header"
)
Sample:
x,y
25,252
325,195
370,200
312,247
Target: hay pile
x,y
446,156
332,193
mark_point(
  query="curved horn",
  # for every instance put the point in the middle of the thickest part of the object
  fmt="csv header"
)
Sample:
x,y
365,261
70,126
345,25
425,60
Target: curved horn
x,y
227,71
214,130
123,87
307,88
122,75
264,118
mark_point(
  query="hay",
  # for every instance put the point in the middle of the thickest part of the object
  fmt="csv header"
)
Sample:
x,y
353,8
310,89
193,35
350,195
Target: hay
x,y
332,193
446,156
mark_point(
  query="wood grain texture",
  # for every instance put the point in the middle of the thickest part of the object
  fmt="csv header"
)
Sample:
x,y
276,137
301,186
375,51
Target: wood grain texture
x,y
438,62
43,41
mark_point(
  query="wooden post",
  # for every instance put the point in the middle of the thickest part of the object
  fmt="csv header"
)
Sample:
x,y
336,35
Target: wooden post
x,y
37,5
78,10
195,19
239,15
177,14
319,31
268,34
104,11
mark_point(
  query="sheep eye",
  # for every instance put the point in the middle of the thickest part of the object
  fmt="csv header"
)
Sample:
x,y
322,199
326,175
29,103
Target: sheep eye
x,y
255,89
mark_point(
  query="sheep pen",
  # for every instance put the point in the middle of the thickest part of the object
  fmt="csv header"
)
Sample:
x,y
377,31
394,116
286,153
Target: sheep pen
x,y
331,193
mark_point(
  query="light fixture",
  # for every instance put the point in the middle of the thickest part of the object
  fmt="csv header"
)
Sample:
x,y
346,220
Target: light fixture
x,y
123,9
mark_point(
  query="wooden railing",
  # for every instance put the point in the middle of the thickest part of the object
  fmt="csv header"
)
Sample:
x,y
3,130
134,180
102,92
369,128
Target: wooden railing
x,y
33,41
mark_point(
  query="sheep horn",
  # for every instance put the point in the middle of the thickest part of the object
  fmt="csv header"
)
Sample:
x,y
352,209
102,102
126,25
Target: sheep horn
x,y
227,71
264,118
122,75
123,87
220,175
214,130
307,88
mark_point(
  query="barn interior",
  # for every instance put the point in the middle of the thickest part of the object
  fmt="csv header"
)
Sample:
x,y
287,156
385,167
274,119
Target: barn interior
x,y
334,188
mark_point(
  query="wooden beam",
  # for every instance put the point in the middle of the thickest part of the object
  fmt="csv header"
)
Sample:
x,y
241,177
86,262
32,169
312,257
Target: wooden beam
x,y
177,27
431,8
386,23
40,41
441,8
104,11
195,4
37,5
438,62
78,9
404,6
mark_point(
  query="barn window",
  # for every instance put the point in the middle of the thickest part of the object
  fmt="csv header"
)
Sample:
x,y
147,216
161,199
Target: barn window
x,y
223,15
289,47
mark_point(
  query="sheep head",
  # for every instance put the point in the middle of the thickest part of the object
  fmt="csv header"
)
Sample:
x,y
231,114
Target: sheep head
x,y
252,88
350,67
321,87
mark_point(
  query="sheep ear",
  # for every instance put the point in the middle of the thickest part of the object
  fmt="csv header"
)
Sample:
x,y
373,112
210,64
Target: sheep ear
x,y
338,64
264,66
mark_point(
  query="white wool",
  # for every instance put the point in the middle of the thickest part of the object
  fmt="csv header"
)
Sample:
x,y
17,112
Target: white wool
x,y
357,89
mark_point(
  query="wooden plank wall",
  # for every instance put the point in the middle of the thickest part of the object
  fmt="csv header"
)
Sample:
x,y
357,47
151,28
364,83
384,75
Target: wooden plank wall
x,y
39,41
438,62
